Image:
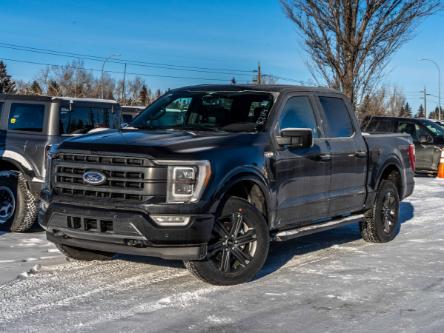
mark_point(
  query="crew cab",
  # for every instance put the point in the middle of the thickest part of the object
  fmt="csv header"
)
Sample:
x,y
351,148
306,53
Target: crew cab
x,y
28,126
211,174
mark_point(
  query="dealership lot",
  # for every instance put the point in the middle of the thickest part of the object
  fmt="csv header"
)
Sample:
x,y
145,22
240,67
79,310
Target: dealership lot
x,y
333,281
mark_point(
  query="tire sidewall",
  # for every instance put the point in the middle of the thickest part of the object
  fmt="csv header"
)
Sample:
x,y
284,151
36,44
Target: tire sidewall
x,y
386,186
207,268
11,181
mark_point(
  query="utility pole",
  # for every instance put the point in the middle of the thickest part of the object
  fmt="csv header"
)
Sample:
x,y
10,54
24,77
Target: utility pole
x,y
123,85
259,75
103,70
425,101
439,84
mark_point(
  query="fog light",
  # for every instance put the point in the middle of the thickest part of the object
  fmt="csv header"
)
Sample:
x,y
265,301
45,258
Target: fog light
x,y
171,220
43,205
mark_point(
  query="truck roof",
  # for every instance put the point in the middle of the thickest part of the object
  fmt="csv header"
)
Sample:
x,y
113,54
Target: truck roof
x,y
44,98
256,87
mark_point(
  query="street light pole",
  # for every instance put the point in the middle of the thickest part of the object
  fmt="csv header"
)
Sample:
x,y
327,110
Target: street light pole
x,y
103,67
439,84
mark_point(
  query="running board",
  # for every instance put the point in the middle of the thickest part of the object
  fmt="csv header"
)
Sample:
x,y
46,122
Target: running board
x,y
318,227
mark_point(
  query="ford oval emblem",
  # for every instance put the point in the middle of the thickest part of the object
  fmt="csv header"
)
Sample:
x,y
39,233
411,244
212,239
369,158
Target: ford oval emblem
x,y
94,178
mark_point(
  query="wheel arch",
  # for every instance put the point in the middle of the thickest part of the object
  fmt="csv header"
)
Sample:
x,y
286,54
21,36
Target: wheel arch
x,y
249,185
392,171
10,160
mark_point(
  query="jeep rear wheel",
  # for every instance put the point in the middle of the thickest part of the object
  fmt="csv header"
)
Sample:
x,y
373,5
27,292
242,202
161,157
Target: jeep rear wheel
x,y
18,209
238,248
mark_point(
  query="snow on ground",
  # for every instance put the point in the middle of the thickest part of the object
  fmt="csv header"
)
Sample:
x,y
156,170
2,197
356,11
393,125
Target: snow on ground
x,y
332,281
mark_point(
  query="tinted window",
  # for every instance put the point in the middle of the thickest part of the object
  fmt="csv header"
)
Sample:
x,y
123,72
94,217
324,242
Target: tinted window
x,y
80,120
413,129
26,117
127,118
382,126
207,110
337,119
298,113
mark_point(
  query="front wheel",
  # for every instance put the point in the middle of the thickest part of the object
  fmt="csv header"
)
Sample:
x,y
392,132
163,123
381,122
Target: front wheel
x,y
238,248
381,223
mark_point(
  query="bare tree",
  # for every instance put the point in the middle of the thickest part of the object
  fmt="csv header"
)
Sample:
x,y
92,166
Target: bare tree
x,y
384,101
351,41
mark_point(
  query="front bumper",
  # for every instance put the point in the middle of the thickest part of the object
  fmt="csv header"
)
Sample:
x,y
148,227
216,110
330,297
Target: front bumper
x,y
127,232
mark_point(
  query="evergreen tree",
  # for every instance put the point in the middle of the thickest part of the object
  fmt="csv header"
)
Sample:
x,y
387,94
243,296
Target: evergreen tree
x,y
7,85
434,114
406,111
35,88
420,113
143,96
53,88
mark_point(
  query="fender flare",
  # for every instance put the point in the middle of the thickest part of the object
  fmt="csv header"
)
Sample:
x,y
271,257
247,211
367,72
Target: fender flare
x,y
392,161
238,175
20,162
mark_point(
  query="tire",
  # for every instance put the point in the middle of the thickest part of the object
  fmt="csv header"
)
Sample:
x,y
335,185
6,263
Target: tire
x,y
83,254
23,202
239,246
381,223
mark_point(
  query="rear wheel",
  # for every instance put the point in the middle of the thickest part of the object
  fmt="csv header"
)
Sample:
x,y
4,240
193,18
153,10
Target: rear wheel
x,y
239,246
82,254
18,209
381,222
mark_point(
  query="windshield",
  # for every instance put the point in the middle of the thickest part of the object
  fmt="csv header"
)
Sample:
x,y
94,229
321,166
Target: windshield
x,y
207,111
434,128
81,120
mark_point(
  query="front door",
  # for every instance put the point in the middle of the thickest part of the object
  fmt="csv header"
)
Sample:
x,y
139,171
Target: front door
x,y
302,174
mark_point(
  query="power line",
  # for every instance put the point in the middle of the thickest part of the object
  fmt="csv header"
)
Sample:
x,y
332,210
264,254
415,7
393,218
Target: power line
x,y
117,72
165,66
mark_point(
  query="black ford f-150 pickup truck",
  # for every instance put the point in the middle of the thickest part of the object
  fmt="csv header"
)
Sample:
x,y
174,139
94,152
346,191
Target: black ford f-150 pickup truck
x,y
211,174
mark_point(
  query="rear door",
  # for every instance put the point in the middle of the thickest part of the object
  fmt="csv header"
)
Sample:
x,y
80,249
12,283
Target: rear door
x,y
302,174
26,124
349,156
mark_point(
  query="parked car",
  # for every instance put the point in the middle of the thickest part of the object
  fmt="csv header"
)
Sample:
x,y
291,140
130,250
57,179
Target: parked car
x,y
439,122
426,134
211,174
130,112
29,125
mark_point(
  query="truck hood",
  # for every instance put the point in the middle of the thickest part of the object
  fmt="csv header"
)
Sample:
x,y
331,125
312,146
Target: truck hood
x,y
158,143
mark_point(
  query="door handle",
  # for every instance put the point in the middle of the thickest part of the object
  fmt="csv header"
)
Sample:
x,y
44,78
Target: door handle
x,y
325,157
360,154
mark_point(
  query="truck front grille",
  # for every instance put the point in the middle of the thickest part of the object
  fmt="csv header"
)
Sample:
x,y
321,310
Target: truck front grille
x,y
127,178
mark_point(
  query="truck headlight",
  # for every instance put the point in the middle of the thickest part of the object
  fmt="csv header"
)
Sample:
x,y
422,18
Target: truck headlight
x,y
186,180
50,152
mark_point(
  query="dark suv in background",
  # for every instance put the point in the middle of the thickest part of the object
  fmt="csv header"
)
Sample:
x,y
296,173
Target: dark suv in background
x,y
29,125
427,136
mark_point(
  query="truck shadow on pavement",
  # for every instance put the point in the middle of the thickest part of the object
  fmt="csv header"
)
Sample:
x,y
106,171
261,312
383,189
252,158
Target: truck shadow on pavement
x,y
281,253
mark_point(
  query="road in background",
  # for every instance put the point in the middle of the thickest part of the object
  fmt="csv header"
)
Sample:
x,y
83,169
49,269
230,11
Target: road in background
x,y
333,281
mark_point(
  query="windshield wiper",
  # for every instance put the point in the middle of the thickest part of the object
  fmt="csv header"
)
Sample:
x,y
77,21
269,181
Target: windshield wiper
x,y
196,128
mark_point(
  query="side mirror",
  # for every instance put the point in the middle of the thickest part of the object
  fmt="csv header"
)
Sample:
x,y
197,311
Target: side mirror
x,y
296,137
425,139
